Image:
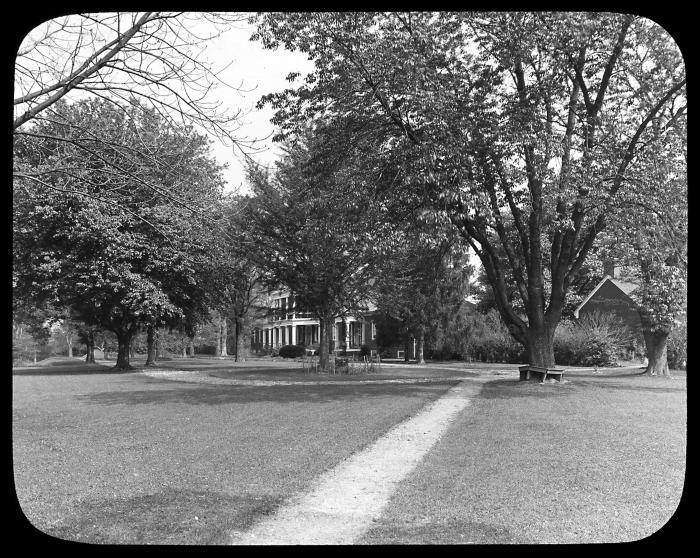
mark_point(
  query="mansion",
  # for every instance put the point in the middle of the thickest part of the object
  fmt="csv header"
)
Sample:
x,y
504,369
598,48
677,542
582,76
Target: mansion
x,y
287,324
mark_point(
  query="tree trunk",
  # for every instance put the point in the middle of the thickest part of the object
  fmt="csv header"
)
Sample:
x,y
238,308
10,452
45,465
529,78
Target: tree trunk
x,y
325,325
223,332
90,348
406,349
236,337
540,347
69,341
105,350
419,348
243,335
190,346
124,349
151,334
656,343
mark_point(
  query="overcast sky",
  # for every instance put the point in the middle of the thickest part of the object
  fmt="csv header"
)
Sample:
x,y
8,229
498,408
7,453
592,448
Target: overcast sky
x,y
260,71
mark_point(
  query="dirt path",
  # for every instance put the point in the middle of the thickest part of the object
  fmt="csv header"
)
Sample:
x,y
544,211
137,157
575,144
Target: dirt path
x,y
342,503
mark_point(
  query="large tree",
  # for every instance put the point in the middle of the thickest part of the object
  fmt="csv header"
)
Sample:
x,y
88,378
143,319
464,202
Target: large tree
x,y
312,228
649,234
111,248
156,58
521,129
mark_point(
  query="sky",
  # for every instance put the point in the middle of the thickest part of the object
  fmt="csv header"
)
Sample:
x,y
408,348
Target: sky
x,y
257,71
249,70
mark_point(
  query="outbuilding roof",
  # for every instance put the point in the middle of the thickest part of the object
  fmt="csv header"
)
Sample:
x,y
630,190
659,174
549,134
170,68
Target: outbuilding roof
x,y
626,287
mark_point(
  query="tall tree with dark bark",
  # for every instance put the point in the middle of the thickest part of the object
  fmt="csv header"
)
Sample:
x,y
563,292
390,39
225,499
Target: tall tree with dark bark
x,y
649,234
121,256
312,229
523,128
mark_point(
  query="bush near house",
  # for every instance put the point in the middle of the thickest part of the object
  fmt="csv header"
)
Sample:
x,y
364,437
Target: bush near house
x,y
488,340
594,340
677,348
205,349
292,351
597,339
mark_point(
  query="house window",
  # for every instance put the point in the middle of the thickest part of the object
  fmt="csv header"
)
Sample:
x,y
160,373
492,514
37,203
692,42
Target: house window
x,y
374,331
355,334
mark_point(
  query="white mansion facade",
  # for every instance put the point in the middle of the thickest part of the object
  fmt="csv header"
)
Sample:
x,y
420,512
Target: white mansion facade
x,y
287,324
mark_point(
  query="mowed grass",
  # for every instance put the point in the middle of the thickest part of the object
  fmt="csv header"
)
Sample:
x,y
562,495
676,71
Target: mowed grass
x,y
106,457
595,459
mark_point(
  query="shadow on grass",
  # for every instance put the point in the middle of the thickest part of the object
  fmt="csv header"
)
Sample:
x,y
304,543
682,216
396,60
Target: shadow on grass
x,y
194,363
166,517
299,375
627,386
70,370
222,395
513,387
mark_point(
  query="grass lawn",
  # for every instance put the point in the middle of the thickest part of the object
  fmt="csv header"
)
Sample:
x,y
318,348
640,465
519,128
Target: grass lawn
x,y
595,459
107,457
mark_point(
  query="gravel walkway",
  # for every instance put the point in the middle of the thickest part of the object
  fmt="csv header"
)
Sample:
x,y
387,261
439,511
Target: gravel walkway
x,y
342,503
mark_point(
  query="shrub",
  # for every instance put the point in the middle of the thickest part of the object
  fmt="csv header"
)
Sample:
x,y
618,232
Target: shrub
x,y
445,352
341,365
488,340
365,351
597,339
677,347
292,351
206,349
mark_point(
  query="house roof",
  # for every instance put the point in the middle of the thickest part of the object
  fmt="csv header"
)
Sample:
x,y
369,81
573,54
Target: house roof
x,y
626,287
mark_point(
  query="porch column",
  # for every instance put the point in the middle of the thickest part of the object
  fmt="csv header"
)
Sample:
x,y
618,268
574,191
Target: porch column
x,y
346,325
293,337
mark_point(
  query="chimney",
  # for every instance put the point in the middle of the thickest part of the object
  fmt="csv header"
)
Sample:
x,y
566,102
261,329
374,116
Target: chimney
x,y
610,268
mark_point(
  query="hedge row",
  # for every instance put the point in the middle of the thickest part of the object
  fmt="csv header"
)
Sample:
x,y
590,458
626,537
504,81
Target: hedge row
x,y
595,340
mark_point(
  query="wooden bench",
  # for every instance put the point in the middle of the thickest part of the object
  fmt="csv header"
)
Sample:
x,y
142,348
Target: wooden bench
x,y
528,372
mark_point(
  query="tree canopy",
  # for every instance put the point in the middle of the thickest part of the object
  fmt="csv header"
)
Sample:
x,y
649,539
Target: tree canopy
x,y
122,256
518,131
313,229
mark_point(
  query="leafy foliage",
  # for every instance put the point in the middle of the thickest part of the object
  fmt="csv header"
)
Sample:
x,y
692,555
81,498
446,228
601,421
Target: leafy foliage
x,y
111,248
595,340
310,228
517,131
677,353
292,351
423,284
